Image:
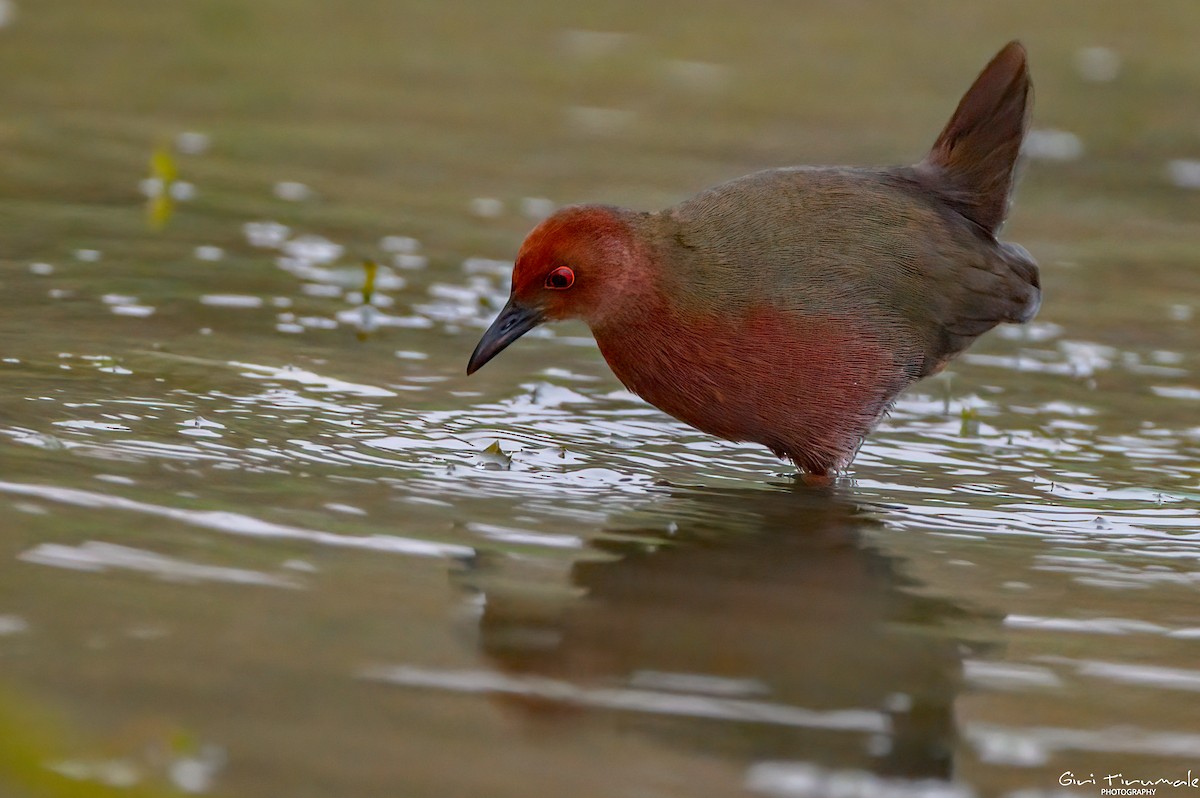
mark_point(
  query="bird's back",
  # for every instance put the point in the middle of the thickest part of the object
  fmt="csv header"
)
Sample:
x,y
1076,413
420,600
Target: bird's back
x,y
872,245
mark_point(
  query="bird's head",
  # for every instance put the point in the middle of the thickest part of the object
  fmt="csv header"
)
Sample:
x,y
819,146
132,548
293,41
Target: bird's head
x,y
576,264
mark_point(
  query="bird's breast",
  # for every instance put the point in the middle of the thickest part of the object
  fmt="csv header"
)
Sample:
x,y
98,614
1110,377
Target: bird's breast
x,y
809,388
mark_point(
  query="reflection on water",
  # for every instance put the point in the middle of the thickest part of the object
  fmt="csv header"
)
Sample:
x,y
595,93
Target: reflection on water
x,y
765,601
259,535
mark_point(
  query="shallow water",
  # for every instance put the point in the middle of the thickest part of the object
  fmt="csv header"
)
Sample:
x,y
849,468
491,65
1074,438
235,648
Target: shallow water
x,y
252,548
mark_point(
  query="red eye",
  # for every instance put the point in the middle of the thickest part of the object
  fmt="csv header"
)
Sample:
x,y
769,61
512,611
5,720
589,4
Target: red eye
x,y
560,279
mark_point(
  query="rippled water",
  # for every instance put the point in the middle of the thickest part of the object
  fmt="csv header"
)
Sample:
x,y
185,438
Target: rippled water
x,y
261,540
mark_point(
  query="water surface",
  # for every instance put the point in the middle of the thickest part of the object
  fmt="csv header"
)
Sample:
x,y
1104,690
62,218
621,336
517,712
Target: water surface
x,y
256,542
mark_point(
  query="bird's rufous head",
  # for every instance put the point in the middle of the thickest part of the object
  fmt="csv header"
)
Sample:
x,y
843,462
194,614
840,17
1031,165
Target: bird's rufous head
x,y
571,266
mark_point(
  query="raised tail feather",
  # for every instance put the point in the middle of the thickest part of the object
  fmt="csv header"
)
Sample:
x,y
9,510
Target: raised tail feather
x,y
972,162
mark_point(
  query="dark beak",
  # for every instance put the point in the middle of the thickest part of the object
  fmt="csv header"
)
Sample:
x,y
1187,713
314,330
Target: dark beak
x,y
513,322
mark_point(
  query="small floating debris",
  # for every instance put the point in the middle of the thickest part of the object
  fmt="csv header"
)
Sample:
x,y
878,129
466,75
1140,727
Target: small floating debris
x,y
293,192
486,207
1052,145
161,188
313,249
12,625
41,269
231,300
123,305
118,774
536,207
494,458
370,269
266,235
322,290
163,180
197,771
200,427
1184,173
191,142
1097,64
182,191
407,261
498,268
400,244
1180,312
208,253
969,426
88,255
137,311
108,365
367,321
116,479
345,509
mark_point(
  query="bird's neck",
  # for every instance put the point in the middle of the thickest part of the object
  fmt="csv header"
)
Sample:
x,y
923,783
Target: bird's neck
x,y
650,341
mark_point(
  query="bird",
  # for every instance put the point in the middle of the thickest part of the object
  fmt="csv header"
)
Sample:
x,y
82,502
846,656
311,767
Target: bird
x,y
790,307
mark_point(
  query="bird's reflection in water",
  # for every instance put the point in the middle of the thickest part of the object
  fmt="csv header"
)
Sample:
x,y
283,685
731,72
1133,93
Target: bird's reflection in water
x,y
753,600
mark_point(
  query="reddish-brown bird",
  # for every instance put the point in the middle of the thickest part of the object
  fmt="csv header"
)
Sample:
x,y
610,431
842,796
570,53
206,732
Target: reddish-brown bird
x,y
790,307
